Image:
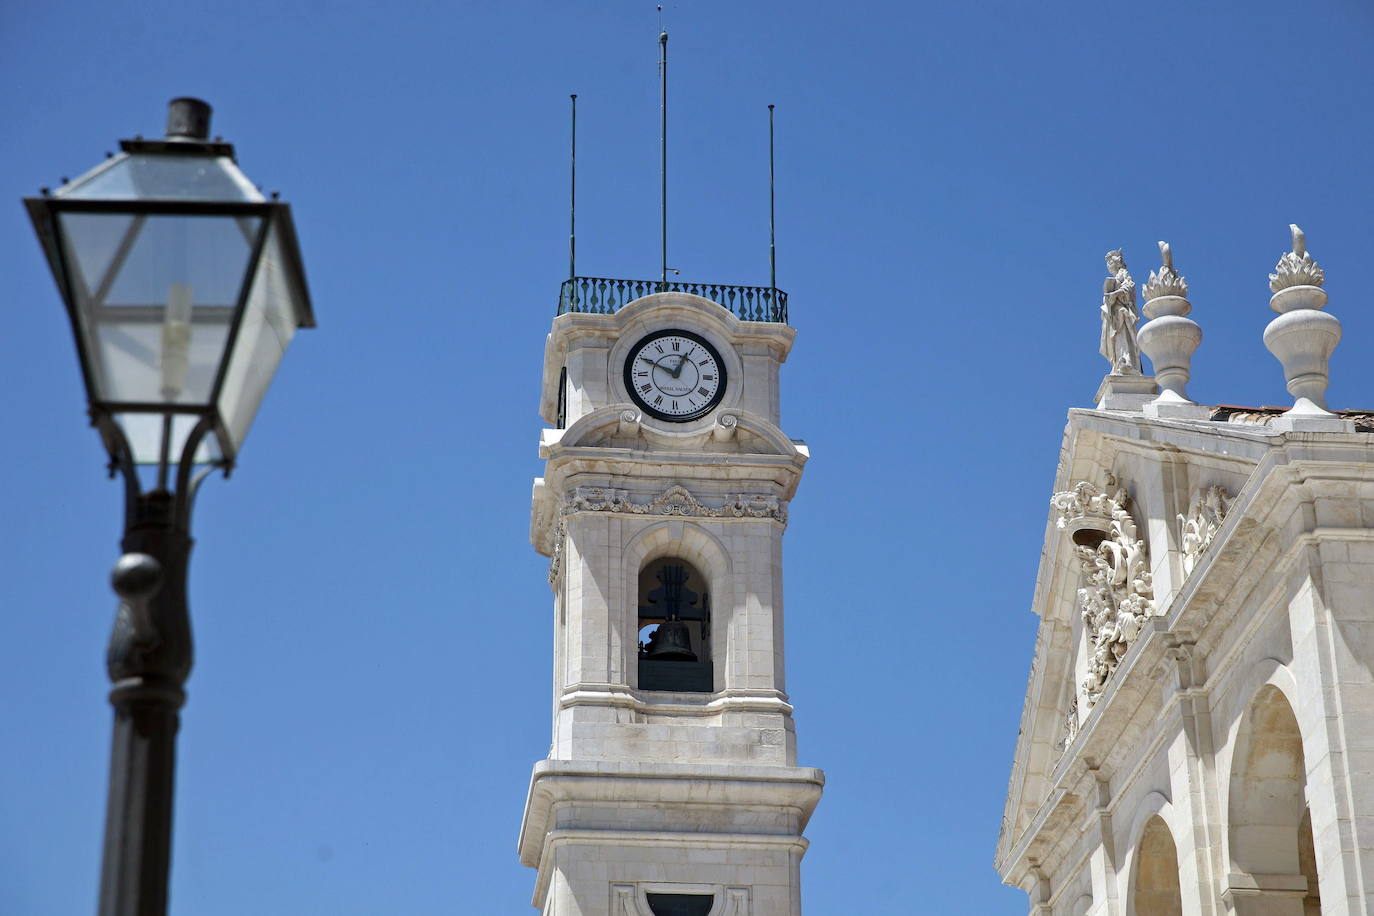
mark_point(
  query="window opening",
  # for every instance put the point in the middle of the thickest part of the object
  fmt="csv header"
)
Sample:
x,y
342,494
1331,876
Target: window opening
x,y
681,904
563,398
674,629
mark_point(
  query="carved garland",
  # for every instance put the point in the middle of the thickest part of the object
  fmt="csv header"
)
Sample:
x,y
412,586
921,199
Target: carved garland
x,y
675,501
1117,593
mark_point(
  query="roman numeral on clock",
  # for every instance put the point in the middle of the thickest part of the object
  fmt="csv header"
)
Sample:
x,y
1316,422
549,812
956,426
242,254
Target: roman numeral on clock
x,y
703,392
644,389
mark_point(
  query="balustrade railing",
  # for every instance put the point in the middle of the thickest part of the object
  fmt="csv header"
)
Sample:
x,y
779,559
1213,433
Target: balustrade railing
x,y
603,296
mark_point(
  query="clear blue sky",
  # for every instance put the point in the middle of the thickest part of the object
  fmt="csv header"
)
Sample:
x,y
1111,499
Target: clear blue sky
x,y
372,675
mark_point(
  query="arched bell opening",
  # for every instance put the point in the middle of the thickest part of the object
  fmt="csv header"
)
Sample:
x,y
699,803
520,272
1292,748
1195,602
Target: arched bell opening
x,y
674,627
1267,806
1157,891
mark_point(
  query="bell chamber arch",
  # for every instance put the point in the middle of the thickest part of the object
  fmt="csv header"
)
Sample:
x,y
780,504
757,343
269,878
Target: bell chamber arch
x,y
674,624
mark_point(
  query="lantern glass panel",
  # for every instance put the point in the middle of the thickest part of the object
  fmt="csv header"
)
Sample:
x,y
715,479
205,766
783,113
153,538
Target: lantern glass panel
x,y
155,297
144,434
164,176
268,324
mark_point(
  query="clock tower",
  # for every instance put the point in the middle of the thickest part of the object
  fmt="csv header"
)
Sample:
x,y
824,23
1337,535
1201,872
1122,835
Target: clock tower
x,y
671,786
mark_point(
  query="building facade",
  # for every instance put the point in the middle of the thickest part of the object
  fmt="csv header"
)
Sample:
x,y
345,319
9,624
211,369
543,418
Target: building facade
x,y
671,785
1198,729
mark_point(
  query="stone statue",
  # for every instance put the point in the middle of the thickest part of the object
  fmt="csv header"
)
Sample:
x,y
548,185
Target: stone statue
x,y
1119,316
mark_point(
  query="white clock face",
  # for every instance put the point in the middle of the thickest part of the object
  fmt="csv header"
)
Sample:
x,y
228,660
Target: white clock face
x,y
675,375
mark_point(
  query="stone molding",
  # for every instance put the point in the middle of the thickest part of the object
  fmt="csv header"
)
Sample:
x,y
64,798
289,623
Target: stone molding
x,y
731,788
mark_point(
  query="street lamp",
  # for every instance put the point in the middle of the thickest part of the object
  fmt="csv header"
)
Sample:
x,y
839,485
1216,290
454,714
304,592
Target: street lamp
x,y
184,286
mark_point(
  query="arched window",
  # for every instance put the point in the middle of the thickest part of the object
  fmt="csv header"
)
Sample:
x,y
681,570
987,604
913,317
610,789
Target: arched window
x,y
1156,891
674,628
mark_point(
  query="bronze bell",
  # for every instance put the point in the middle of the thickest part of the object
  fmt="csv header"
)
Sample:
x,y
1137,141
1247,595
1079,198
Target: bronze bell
x,y
670,643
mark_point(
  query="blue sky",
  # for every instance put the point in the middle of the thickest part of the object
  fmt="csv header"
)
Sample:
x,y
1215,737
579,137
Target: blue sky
x,y
372,672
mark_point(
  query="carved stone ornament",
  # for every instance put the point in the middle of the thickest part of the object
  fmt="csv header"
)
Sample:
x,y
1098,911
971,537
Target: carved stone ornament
x,y
1117,592
556,561
1119,317
1070,725
1206,512
1087,507
675,500
1166,281
1296,267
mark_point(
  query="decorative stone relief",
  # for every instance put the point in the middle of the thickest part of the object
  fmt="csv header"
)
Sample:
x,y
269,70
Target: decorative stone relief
x,y
1070,725
1119,317
1117,593
560,534
675,500
1206,512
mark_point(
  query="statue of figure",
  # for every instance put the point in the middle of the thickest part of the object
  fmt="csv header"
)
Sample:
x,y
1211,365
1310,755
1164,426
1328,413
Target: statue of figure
x,y
1119,317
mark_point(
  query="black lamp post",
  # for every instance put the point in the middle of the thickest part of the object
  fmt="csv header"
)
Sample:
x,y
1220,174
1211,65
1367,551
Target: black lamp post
x,y
184,286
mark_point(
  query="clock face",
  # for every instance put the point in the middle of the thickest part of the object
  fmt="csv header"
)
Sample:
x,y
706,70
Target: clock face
x,y
675,375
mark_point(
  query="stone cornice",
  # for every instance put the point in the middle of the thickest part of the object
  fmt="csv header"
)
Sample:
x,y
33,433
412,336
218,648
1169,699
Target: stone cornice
x,y
728,786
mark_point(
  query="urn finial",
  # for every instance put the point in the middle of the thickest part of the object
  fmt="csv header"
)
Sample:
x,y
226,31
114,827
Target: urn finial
x,y
1169,339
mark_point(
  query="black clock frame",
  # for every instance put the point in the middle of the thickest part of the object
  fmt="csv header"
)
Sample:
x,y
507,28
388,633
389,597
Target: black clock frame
x,y
628,376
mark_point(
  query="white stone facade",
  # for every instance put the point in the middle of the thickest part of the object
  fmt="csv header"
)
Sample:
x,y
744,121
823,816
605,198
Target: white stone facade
x,y
1220,757
650,791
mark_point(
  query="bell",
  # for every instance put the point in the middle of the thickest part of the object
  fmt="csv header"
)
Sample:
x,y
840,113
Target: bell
x,y
671,643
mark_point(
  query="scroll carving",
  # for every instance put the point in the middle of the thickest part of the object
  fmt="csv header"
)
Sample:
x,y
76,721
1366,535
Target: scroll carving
x,y
1117,591
1205,515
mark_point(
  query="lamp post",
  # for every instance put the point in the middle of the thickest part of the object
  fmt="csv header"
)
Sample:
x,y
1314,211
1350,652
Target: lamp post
x,y
184,286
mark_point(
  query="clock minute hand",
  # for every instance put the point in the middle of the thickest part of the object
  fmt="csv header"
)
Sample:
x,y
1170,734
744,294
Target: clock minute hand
x,y
681,361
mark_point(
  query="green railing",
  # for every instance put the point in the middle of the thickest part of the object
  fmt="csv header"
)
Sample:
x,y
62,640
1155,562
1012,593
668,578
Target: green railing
x,y
603,296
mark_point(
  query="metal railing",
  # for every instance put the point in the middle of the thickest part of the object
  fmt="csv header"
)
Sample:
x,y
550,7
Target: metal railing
x,y
603,296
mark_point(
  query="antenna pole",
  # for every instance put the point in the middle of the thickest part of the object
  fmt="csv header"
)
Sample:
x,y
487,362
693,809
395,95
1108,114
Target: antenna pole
x,y
572,212
663,155
772,211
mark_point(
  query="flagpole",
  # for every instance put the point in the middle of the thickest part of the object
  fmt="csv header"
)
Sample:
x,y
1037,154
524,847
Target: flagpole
x,y
663,157
572,208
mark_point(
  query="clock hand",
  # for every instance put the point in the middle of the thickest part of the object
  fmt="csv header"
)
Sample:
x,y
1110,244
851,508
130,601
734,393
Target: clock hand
x,y
681,361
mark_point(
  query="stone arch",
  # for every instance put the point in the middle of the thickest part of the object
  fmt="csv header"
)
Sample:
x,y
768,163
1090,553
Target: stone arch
x,y
703,551
1267,801
1155,886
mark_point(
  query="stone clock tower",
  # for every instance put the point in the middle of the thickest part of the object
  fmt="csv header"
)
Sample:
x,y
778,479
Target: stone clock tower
x,y
671,786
